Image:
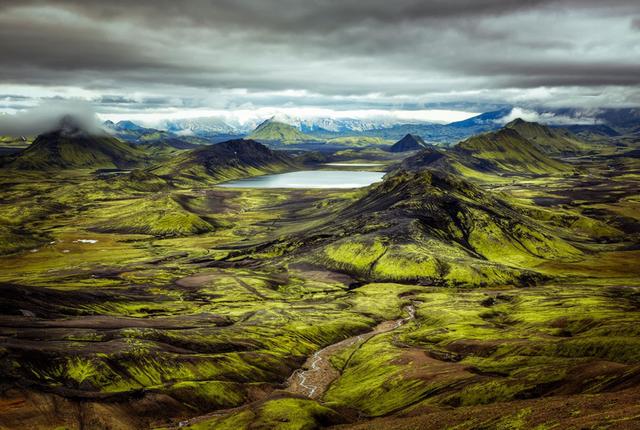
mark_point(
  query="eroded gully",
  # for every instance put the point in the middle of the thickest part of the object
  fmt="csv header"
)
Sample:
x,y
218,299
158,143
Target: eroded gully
x,y
317,373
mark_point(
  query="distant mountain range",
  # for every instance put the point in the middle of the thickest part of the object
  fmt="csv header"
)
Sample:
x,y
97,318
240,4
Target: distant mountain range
x,y
134,133
288,130
322,126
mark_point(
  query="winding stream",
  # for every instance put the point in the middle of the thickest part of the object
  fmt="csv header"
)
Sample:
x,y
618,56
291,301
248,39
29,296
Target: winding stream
x,y
317,373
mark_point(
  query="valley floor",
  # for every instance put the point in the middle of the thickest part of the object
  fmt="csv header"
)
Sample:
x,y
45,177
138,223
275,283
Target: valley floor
x,y
105,325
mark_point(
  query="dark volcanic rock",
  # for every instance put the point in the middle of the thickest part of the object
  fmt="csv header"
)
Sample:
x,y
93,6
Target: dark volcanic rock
x,y
410,142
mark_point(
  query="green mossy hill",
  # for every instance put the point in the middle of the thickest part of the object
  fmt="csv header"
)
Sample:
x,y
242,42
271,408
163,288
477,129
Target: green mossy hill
x,y
503,152
157,215
276,414
554,141
274,131
70,147
225,161
434,228
409,142
137,181
506,151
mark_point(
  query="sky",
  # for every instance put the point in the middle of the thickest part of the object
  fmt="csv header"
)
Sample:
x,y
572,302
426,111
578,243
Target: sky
x,y
440,60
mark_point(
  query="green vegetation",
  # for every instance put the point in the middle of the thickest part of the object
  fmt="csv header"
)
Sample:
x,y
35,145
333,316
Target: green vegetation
x,y
159,215
548,140
224,161
507,151
73,149
279,414
274,131
459,292
359,141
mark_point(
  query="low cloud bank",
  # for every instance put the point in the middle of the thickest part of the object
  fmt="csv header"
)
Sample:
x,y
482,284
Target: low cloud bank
x,y
548,118
47,117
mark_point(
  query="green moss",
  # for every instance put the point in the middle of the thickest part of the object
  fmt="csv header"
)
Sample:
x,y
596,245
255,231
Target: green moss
x,y
273,131
516,421
160,215
355,256
208,395
408,262
280,414
359,141
374,382
381,300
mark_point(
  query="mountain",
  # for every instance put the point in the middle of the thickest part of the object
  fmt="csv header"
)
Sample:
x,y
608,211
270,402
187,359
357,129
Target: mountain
x,y
70,146
592,131
505,151
555,141
502,152
429,227
127,130
331,127
410,142
274,131
134,133
208,126
620,119
343,126
225,161
130,126
432,159
444,134
485,121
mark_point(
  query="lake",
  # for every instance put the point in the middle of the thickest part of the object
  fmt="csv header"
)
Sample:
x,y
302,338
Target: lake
x,y
309,179
353,164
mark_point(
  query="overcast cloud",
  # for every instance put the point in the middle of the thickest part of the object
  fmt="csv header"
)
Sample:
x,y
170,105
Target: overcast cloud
x,y
165,56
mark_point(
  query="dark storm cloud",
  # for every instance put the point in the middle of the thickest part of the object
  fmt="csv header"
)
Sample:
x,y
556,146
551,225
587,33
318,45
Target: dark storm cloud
x,y
181,53
295,15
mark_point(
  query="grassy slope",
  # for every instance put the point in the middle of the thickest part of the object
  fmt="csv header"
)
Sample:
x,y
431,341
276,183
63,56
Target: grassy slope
x,y
507,151
548,140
